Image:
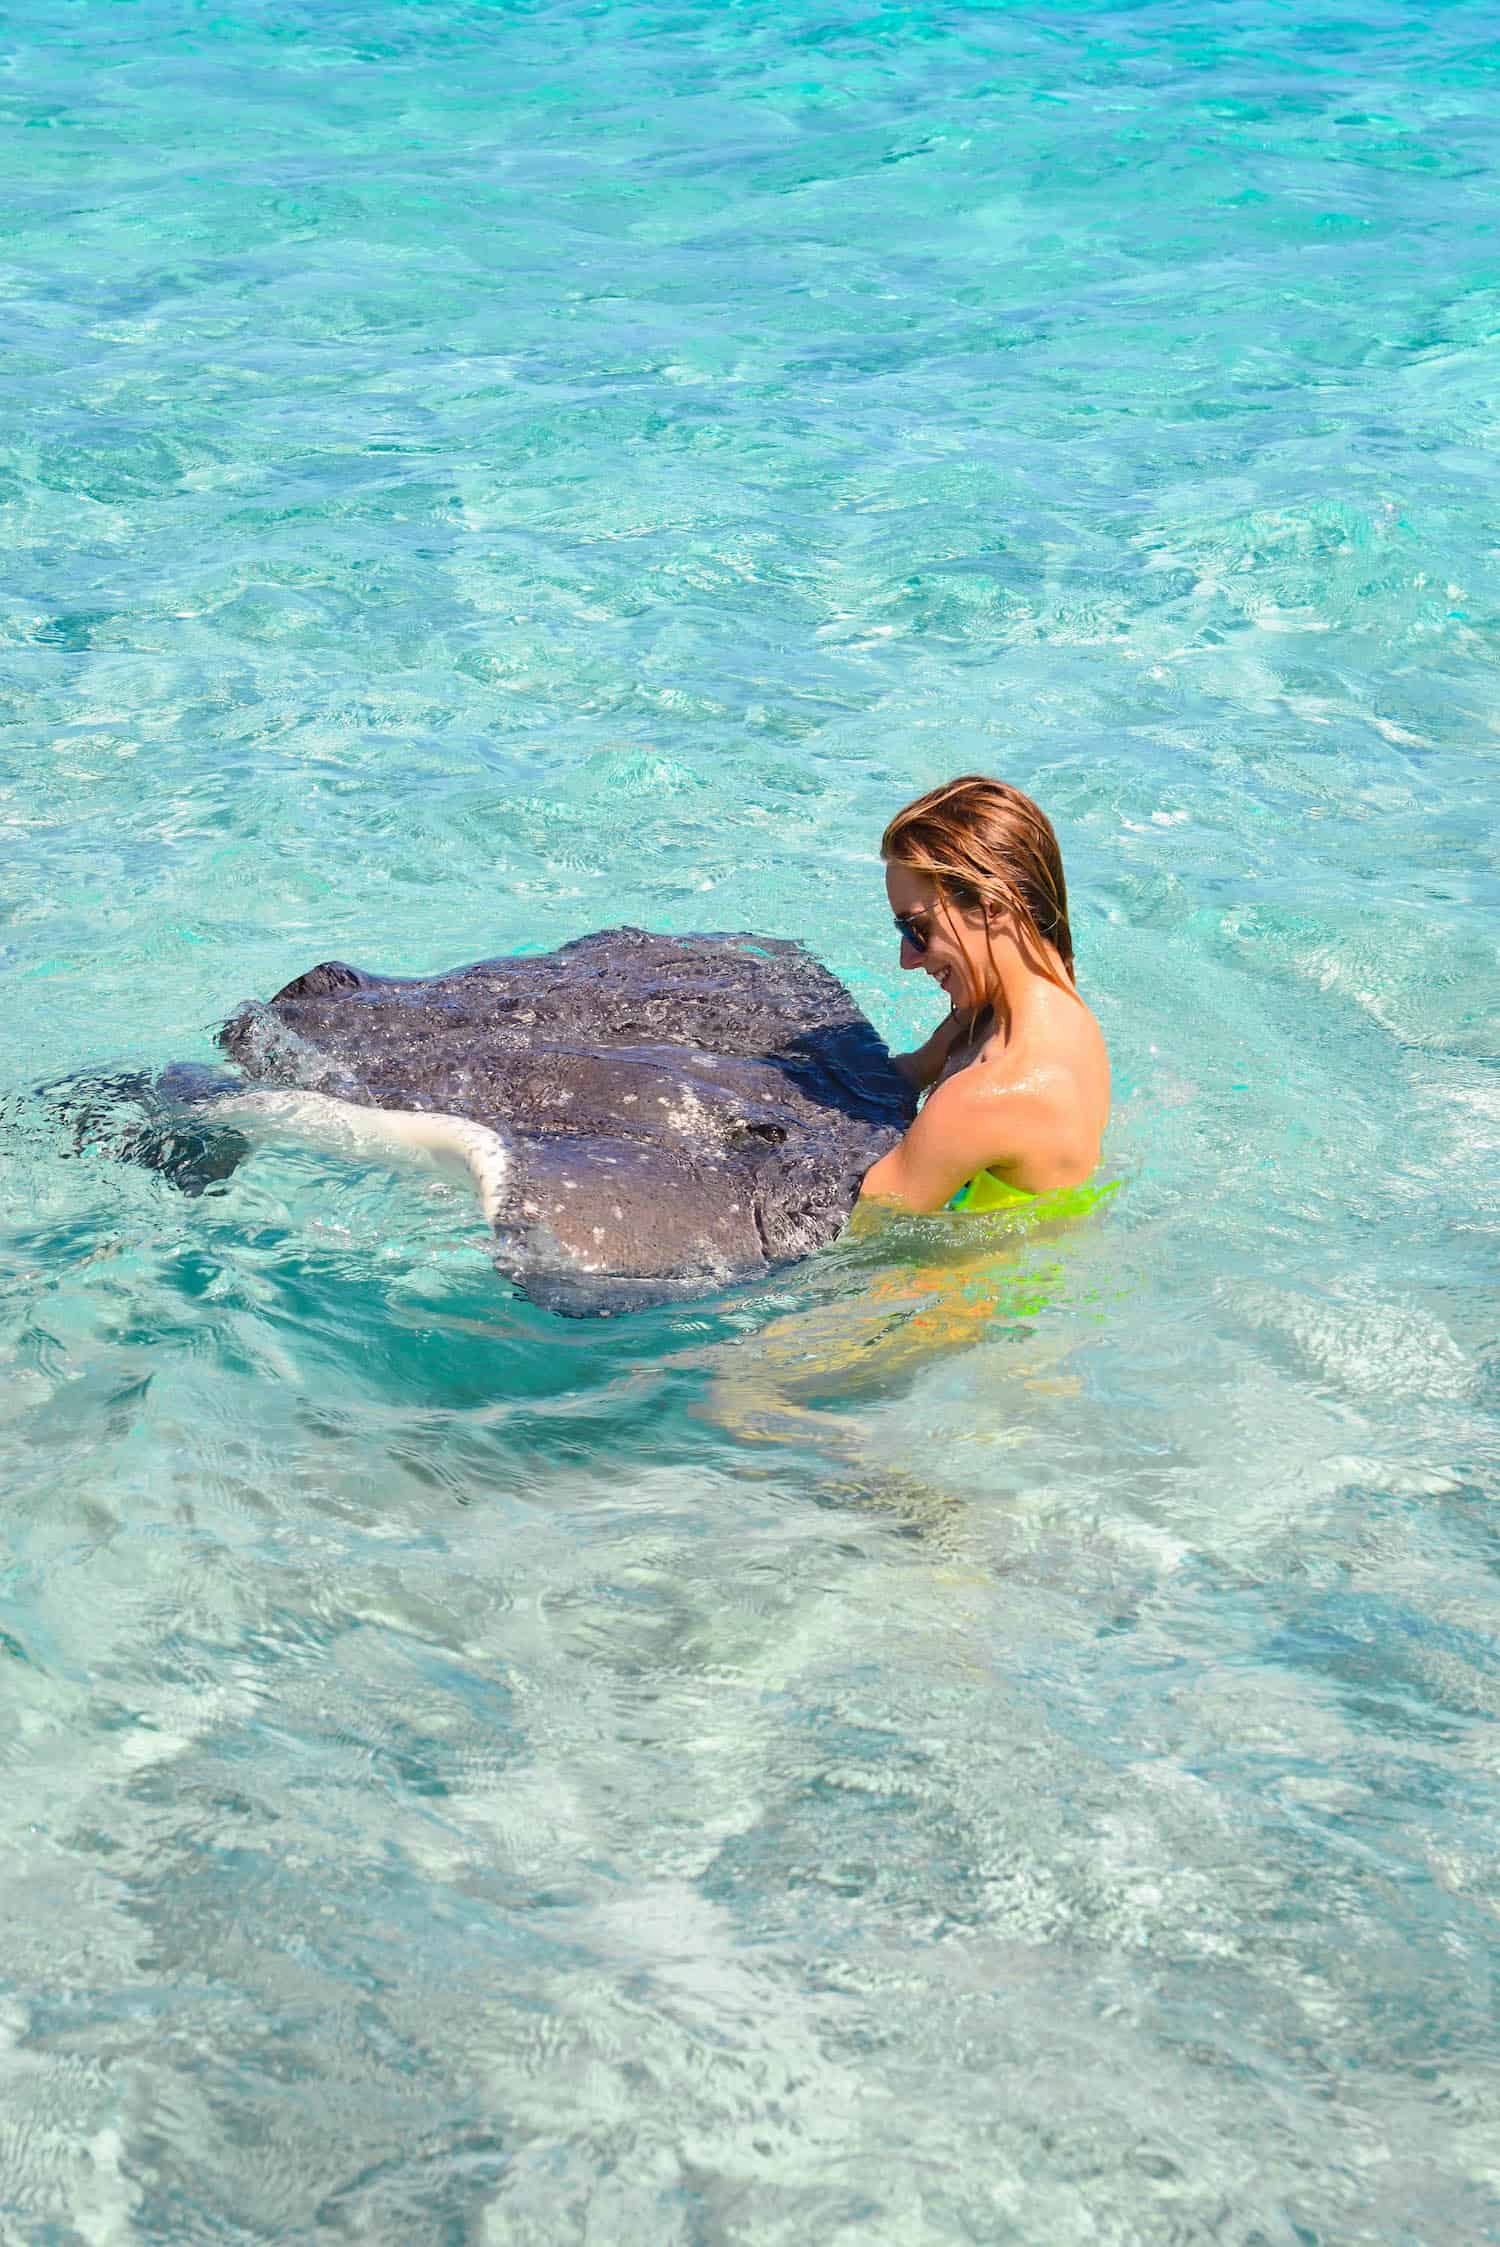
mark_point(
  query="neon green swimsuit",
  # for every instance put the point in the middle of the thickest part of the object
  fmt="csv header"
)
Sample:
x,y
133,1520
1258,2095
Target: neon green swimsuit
x,y
986,1195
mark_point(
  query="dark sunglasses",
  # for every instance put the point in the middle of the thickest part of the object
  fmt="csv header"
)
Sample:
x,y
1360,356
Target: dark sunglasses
x,y
910,933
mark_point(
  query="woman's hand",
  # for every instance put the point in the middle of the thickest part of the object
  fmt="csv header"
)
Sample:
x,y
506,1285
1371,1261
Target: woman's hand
x,y
924,1066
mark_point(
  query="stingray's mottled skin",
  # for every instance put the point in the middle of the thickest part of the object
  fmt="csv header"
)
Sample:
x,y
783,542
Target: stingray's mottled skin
x,y
681,1112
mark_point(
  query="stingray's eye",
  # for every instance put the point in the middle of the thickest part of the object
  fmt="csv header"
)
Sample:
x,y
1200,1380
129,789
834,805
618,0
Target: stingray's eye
x,y
757,1133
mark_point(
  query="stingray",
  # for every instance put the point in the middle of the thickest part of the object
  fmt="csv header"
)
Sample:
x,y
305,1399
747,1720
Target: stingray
x,y
646,1117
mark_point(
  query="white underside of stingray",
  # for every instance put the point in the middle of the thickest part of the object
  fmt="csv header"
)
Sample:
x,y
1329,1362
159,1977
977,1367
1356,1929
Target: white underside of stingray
x,y
453,1144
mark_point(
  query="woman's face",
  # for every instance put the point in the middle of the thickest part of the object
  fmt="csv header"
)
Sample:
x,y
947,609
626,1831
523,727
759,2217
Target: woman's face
x,y
957,956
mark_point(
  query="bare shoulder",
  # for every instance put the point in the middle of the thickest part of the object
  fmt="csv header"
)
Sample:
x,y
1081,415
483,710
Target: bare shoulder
x,y
1045,1106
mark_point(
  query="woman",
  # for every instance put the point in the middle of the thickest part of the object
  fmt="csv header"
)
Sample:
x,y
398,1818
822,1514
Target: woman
x,y
1019,1071
1019,1099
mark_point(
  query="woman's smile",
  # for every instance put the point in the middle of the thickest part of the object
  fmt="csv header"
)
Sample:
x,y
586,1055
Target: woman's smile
x,y
935,938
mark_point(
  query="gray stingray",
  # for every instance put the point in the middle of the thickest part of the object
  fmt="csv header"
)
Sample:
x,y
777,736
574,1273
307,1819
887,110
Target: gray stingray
x,y
662,1115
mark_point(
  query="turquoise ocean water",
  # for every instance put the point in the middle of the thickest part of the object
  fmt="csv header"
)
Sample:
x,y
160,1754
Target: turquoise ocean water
x,y
778,1770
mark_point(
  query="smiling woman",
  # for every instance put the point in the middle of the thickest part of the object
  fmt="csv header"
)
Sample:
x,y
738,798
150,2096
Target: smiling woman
x,y
1018,1071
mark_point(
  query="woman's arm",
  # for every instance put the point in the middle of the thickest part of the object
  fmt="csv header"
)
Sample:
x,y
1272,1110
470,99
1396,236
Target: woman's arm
x,y
966,1125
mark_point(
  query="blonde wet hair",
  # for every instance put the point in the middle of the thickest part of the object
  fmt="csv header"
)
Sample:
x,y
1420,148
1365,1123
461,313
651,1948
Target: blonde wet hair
x,y
984,843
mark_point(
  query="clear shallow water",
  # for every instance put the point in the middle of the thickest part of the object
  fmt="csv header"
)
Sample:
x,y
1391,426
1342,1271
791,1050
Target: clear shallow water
x,y
475,474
